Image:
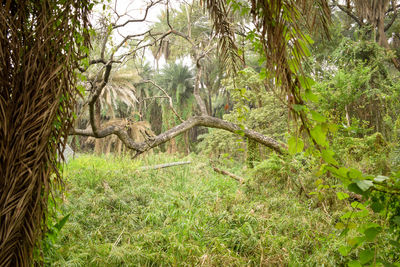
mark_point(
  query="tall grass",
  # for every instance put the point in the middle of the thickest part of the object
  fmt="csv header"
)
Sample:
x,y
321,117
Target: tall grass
x,y
184,216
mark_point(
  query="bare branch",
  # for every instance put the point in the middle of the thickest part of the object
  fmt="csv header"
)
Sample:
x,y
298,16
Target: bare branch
x,y
166,95
349,13
169,24
234,176
392,20
95,96
137,20
165,165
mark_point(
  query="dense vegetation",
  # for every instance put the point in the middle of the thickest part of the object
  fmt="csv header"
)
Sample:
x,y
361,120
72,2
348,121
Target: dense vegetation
x,y
188,215
328,197
288,111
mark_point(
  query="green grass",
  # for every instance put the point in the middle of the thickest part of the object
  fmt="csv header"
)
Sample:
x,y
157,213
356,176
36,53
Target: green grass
x,y
184,216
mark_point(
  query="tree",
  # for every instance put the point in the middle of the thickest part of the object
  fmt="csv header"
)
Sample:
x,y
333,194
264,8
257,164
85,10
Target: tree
x,y
39,44
139,41
379,17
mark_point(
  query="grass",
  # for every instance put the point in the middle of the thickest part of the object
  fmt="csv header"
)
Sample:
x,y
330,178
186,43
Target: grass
x,y
184,216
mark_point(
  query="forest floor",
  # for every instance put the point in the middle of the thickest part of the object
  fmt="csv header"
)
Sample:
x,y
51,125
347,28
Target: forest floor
x,y
184,216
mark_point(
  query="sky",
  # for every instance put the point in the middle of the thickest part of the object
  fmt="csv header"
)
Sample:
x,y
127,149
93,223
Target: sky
x,y
135,9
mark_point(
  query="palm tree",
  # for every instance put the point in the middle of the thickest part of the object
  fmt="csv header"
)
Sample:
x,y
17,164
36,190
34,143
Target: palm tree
x,y
177,79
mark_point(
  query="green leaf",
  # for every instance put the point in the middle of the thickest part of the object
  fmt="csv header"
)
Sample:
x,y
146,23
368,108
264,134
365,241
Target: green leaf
x,y
317,117
366,256
318,135
344,250
306,82
298,107
61,222
347,215
364,185
371,233
354,174
342,195
340,226
308,38
296,145
239,132
327,155
377,206
358,205
380,178
353,187
309,95
354,264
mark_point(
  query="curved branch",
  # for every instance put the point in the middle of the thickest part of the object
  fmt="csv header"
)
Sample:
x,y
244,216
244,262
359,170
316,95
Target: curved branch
x,y
387,27
206,121
349,13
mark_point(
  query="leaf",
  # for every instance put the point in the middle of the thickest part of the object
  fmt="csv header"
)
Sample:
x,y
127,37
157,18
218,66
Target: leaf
x,y
364,185
356,241
344,250
61,222
377,206
358,205
327,155
354,174
366,256
298,107
340,226
353,187
354,264
317,117
318,135
342,195
346,215
310,95
380,178
296,145
371,233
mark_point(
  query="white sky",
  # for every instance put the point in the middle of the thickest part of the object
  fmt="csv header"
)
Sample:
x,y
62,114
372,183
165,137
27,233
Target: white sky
x,y
135,9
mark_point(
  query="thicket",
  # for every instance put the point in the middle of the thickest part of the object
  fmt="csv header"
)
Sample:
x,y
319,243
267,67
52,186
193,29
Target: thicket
x,y
337,111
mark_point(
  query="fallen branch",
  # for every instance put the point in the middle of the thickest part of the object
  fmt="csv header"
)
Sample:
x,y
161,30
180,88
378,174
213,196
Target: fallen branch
x,y
166,165
206,121
234,176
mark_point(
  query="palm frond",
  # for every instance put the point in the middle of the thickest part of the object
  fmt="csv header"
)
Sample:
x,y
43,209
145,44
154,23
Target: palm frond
x,y
37,95
220,14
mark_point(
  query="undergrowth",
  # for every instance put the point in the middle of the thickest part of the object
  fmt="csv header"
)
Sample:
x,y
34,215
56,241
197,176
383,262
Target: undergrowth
x,y
184,216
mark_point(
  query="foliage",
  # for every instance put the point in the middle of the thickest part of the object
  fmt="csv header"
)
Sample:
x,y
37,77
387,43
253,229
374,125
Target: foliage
x,y
360,92
185,215
252,108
